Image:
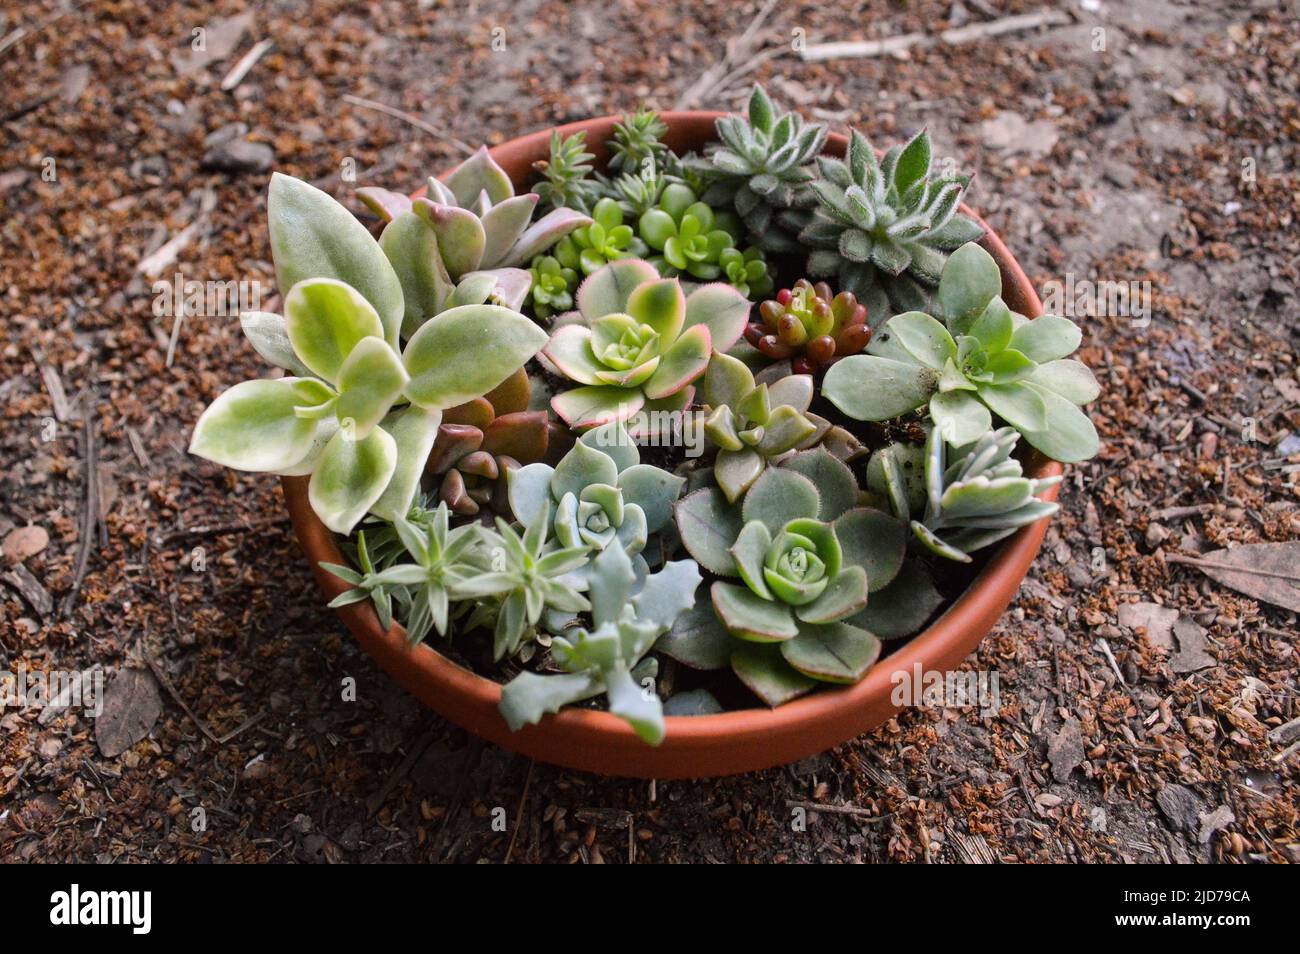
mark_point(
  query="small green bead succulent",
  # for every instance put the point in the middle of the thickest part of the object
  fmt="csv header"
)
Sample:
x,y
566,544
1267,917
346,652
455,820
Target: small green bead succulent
x,y
753,424
884,228
975,501
605,240
983,359
553,285
746,271
608,655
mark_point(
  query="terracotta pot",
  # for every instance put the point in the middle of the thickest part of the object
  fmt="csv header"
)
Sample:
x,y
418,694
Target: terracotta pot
x,y
697,746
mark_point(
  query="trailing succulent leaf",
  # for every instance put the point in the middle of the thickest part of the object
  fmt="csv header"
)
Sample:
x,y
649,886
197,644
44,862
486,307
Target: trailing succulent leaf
x,y
552,286
977,500
763,168
637,343
808,327
753,424
636,140
364,585
443,557
985,359
481,441
806,561
607,656
884,227
590,248
478,222
599,495
525,578
566,176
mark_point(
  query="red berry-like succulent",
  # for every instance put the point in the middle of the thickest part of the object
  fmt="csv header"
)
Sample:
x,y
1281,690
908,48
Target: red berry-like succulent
x,y
809,327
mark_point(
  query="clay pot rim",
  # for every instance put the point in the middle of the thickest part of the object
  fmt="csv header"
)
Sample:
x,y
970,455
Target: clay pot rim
x,y
693,745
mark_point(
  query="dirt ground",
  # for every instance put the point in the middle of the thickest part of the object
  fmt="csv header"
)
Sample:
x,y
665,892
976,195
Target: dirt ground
x,y
1156,146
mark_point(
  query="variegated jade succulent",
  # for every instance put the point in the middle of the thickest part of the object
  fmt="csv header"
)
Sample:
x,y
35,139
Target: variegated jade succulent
x,y
752,424
598,495
478,222
809,327
338,416
884,228
982,358
806,556
638,343
609,655
763,168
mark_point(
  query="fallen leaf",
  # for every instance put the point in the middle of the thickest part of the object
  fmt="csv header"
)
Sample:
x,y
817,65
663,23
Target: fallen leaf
x,y
1157,621
1192,643
1264,571
1211,822
131,707
1065,750
1180,805
25,542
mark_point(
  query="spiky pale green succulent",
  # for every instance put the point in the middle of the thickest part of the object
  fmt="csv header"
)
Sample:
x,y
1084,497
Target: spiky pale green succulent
x,y
338,416
607,655
636,141
982,358
883,228
638,191
638,343
979,498
753,424
478,222
598,495
552,286
566,176
763,167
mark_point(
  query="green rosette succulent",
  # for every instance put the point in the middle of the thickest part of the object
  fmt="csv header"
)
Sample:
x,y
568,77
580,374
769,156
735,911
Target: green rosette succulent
x,y
975,501
684,233
983,359
551,286
806,556
598,495
607,239
746,271
629,611
883,228
567,181
636,140
763,168
637,344
752,424
355,413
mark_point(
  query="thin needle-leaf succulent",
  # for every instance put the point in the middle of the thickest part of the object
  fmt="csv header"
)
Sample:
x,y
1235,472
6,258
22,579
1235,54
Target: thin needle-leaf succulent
x,y
567,175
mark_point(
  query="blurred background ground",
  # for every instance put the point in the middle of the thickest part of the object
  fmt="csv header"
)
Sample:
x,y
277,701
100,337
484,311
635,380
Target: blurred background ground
x,y
1127,142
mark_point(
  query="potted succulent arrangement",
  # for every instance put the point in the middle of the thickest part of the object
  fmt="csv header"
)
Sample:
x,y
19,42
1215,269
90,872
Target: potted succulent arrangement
x,y
659,467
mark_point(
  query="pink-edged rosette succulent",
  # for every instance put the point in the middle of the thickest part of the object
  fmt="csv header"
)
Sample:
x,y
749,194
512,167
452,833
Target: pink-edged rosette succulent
x,y
637,343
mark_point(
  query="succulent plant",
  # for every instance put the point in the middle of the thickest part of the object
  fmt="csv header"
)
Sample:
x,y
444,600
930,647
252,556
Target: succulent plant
x,y
481,441
443,558
763,167
365,584
884,227
746,271
525,578
607,656
637,192
598,495
807,556
552,286
606,239
638,343
684,233
752,424
809,327
636,139
977,500
566,175
998,361
478,222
